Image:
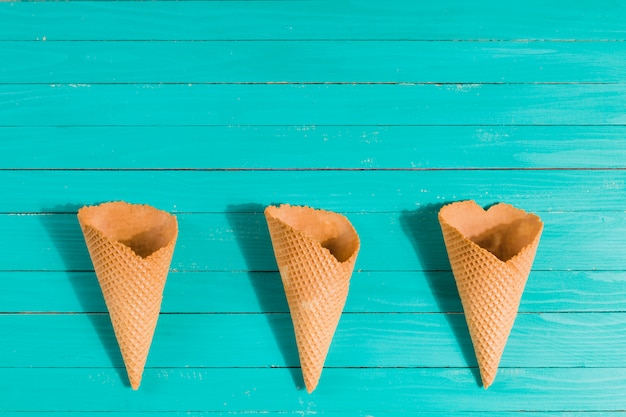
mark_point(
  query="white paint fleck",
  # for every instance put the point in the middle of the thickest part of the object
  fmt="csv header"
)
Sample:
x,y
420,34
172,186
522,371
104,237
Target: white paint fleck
x,y
463,88
490,136
614,185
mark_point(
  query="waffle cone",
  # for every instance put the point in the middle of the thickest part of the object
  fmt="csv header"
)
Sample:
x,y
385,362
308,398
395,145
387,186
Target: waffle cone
x,y
491,254
131,248
315,252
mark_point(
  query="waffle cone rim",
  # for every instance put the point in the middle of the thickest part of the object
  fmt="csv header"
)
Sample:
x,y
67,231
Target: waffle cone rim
x,y
125,248
474,245
307,236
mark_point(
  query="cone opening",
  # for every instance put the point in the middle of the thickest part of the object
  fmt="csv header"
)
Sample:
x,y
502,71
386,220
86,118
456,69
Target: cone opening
x,y
144,229
332,230
508,239
502,230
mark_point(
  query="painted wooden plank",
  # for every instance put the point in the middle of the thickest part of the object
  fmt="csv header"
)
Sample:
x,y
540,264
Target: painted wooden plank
x,y
310,61
414,193
262,292
575,292
388,390
240,242
351,413
287,104
368,147
548,340
364,19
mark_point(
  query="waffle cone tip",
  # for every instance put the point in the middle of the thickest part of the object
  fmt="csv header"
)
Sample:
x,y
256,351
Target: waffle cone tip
x,y
487,379
135,381
311,385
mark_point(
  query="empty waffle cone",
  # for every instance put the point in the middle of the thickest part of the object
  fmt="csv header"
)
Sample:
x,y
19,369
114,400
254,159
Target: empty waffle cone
x,y
315,252
491,254
131,248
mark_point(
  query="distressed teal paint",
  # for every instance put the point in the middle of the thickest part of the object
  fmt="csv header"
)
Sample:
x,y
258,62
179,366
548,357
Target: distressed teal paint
x,y
352,191
303,104
359,147
384,389
356,19
310,61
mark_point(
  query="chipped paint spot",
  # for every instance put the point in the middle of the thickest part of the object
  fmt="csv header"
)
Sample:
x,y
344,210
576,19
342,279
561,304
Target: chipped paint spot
x,y
614,185
463,88
489,136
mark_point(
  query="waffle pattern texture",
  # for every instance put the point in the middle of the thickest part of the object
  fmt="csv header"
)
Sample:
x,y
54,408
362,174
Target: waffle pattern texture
x,y
131,247
490,287
315,251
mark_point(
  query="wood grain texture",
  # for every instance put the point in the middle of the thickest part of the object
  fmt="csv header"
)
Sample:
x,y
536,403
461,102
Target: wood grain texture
x,y
418,194
335,413
388,390
310,62
329,147
320,20
302,104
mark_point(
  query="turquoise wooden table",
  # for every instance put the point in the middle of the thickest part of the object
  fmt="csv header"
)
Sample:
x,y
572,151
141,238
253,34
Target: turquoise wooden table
x,y
382,111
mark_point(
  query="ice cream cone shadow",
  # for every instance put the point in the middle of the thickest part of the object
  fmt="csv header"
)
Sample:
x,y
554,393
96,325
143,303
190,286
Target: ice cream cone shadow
x,y
250,230
64,231
423,231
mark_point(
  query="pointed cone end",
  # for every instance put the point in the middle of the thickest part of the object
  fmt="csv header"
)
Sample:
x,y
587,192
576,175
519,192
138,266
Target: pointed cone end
x,y
311,376
135,381
487,378
310,386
